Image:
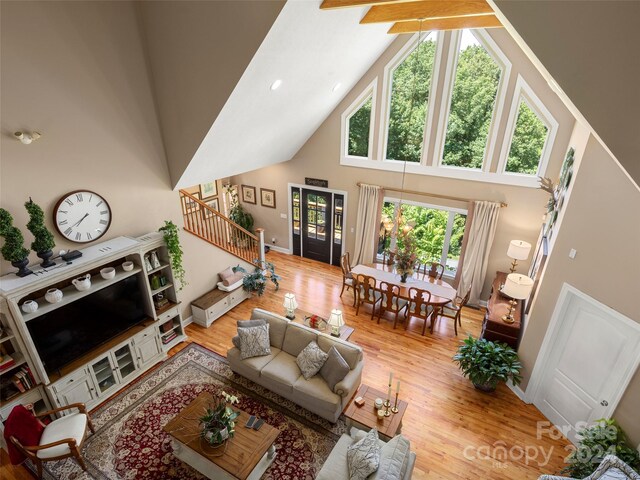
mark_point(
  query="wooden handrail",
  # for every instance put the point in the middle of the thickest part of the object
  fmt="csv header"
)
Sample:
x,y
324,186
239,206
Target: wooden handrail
x,y
212,226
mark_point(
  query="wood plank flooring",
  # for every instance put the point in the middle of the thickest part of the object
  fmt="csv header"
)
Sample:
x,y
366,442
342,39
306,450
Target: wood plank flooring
x,y
456,431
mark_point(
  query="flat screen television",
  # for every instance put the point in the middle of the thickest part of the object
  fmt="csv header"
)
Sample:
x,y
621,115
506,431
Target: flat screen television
x,y
68,332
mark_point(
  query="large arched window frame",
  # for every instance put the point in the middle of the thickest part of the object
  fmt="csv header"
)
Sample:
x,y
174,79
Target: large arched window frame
x,y
369,93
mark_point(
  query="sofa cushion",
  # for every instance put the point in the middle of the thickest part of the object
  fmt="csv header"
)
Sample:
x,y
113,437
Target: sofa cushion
x,y
296,338
350,353
277,325
363,457
254,341
254,363
394,458
335,468
310,360
315,390
334,369
282,369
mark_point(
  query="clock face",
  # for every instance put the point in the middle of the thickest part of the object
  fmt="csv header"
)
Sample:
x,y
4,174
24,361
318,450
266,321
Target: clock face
x,y
82,216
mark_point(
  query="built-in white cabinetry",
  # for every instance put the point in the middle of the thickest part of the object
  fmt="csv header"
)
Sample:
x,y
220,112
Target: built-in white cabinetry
x,y
77,387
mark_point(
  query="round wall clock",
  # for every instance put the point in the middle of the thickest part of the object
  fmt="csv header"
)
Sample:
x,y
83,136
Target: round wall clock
x,y
82,216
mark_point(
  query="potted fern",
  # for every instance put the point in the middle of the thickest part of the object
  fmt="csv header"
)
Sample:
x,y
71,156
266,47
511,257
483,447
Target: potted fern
x,y
487,363
13,249
43,239
256,282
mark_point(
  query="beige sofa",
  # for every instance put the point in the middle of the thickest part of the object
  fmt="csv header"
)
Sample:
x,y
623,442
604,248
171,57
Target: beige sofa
x,y
280,373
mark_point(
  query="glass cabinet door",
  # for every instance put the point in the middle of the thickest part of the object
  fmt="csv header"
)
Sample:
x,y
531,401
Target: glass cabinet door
x,y
104,374
124,361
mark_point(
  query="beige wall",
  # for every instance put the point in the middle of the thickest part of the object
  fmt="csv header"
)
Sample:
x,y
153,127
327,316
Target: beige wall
x,y
75,71
197,52
320,158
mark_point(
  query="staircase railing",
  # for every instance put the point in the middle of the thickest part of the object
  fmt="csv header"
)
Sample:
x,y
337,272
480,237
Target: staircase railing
x,y
212,226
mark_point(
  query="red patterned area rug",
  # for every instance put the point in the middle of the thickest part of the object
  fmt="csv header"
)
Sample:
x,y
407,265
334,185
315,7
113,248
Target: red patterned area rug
x,y
129,442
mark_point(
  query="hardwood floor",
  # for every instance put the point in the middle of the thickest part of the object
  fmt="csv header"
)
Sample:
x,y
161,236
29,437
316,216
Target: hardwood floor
x,y
456,431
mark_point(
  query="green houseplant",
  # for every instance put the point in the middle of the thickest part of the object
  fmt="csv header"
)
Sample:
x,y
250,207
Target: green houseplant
x,y
596,441
237,214
43,239
219,420
256,282
487,363
13,249
172,240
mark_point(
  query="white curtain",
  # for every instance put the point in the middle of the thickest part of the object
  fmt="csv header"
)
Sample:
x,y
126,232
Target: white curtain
x,y
481,233
367,224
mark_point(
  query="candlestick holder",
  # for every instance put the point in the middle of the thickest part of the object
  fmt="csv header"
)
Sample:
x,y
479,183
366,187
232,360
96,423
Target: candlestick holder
x,y
394,409
387,404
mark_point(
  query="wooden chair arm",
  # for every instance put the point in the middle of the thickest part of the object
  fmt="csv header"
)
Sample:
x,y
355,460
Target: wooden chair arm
x,y
70,441
80,406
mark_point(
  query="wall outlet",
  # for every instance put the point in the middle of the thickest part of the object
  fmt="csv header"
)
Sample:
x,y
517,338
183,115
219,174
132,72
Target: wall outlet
x,y
273,240
572,253
283,215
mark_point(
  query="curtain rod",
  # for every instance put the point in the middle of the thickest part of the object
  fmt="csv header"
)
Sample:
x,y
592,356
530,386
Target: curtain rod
x,y
435,195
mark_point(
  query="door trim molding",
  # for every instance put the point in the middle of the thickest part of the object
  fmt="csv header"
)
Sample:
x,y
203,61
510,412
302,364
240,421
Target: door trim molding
x,y
320,189
541,366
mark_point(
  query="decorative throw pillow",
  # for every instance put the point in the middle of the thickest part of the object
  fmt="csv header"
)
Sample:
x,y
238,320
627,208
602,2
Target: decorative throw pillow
x,y
334,369
226,273
244,324
394,458
254,341
235,278
363,457
311,359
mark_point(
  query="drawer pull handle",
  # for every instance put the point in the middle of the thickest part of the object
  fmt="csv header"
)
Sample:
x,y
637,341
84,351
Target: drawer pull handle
x,y
71,380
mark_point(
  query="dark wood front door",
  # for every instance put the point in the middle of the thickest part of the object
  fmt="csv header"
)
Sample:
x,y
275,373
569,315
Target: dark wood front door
x,y
316,225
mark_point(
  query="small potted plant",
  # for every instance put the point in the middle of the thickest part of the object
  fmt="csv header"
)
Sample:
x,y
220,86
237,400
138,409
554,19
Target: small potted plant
x,y
13,249
172,240
487,363
43,239
219,421
256,282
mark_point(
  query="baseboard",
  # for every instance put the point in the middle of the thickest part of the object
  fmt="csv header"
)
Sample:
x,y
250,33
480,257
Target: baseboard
x,y
280,249
188,321
518,391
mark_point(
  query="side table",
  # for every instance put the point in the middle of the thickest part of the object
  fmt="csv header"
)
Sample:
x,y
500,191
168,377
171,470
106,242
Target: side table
x,y
366,418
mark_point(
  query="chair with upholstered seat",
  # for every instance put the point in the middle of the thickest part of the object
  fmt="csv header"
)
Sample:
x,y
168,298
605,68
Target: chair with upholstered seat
x,y
347,276
61,439
366,292
453,310
391,301
419,306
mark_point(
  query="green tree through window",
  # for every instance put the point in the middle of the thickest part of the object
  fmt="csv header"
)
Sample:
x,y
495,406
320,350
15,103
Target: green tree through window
x,y
472,101
528,140
408,109
359,127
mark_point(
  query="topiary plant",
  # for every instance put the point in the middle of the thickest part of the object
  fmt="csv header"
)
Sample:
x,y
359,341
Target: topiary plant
x,y
43,239
13,249
172,240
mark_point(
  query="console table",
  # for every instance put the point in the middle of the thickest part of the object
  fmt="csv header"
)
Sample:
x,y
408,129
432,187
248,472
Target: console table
x,y
493,328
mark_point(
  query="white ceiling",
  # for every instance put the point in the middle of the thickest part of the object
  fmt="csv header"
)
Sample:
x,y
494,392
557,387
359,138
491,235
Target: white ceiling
x,y
310,51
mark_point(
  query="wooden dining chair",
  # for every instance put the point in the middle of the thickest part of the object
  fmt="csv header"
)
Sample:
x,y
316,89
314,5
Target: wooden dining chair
x,y
419,306
431,269
453,310
347,276
366,292
391,301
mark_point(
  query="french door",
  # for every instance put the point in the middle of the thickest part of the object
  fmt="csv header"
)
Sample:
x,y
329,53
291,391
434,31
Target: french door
x,y
317,224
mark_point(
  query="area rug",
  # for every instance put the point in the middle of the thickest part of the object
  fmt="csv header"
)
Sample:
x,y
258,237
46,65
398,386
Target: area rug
x,y
129,442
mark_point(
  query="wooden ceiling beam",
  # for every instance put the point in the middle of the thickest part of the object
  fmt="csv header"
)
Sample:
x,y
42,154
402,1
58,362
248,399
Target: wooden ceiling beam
x,y
428,9
452,23
332,4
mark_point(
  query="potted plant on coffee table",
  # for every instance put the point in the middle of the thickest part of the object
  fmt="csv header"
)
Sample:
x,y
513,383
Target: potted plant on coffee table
x,y
487,363
219,420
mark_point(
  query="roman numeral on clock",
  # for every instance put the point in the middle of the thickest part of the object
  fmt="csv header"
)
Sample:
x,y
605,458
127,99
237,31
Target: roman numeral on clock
x,y
104,212
78,235
63,222
69,202
68,231
103,222
79,197
88,236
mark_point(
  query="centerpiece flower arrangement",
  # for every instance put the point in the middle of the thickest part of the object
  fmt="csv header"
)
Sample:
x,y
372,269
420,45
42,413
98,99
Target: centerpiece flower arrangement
x,y
406,257
219,421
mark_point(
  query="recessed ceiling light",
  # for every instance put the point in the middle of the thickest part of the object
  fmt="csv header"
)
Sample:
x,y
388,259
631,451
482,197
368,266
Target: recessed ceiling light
x,y
276,84
336,87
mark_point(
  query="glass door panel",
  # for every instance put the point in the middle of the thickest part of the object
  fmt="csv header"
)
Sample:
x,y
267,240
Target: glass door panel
x,y
124,361
337,219
316,232
296,220
104,374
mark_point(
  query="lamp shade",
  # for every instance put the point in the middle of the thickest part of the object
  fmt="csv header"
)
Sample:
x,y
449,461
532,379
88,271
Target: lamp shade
x,y
517,286
290,301
335,319
518,250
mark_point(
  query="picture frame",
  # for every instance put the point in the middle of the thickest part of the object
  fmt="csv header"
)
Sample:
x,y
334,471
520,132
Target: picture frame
x,y
537,265
189,205
215,204
208,190
268,197
248,194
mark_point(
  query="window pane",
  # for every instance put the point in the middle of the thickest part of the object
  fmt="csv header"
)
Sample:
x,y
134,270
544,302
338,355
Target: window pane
x,y
311,216
386,226
455,244
430,227
408,113
472,99
359,127
528,141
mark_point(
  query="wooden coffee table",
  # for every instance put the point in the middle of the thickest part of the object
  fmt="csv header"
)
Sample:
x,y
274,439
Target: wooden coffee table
x,y
345,330
247,456
366,418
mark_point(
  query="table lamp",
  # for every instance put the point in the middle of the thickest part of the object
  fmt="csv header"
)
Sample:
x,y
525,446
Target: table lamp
x,y
518,250
335,322
518,287
290,305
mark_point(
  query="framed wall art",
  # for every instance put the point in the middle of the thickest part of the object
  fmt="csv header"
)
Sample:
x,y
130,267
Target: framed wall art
x,y
215,204
189,205
268,197
248,194
208,190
